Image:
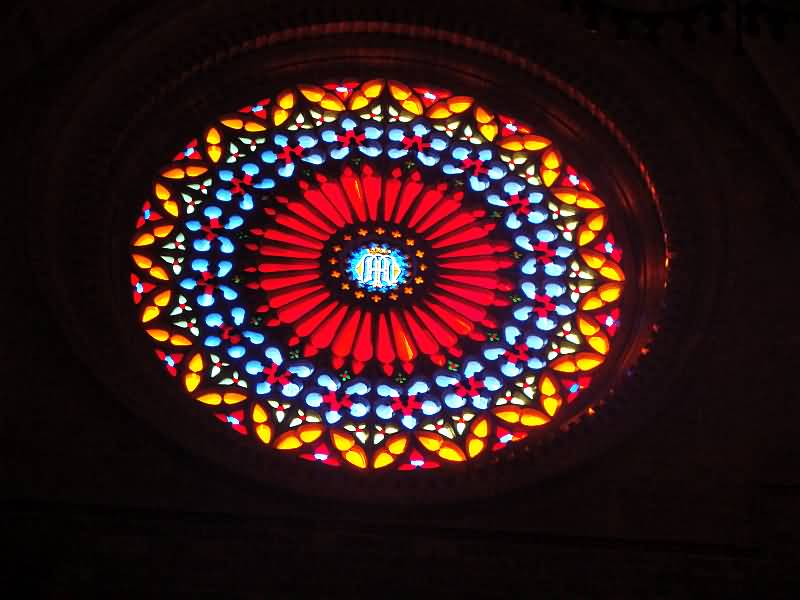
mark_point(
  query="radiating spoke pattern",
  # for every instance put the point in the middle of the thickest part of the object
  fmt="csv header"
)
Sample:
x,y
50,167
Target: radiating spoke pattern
x,y
373,275
443,269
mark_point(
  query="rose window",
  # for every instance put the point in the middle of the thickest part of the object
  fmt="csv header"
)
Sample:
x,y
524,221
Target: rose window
x,y
378,276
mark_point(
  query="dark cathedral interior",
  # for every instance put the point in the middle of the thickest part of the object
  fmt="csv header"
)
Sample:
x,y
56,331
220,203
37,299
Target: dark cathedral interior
x,y
686,482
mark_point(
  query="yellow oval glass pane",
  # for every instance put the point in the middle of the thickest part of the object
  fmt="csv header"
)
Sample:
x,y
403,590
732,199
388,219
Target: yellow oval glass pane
x,y
161,335
312,92
174,173
600,343
159,273
142,261
279,116
372,88
357,457
564,364
612,271
286,100
596,221
233,123
162,193
459,104
481,427
610,291
549,176
259,414
547,385
587,325
264,433
342,441
382,459
254,126
585,235
591,301
482,115
196,363
551,159
475,446
171,207
180,340
452,452
438,111
509,414
431,441
358,101
489,131
397,444
211,398
551,404
144,240
149,313
533,418
331,102
288,441
191,381
309,433
399,91
587,361
213,136
233,397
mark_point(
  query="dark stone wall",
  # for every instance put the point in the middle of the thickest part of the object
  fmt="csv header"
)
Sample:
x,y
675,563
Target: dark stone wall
x,y
700,500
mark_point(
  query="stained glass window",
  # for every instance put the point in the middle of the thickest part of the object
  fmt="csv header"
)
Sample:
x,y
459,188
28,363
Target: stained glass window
x,y
377,276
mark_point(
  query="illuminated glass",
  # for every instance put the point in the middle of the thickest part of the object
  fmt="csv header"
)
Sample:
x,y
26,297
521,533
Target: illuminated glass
x,y
377,276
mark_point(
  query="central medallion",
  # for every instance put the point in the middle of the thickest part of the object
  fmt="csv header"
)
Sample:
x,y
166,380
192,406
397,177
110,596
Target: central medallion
x,y
378,267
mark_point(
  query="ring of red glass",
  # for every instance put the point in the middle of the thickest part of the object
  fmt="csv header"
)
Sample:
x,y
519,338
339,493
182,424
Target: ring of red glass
x,y
452,258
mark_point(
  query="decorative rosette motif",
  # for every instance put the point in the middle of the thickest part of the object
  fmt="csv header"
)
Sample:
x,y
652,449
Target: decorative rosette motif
x,y
377,276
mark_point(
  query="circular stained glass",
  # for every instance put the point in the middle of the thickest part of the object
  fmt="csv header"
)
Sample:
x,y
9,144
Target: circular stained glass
x,y
377,276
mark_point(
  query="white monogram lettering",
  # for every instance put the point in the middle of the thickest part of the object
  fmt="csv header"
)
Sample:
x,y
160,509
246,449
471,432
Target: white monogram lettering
x,y
377,270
